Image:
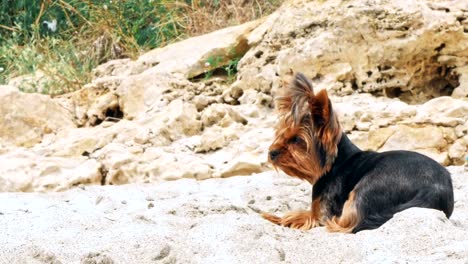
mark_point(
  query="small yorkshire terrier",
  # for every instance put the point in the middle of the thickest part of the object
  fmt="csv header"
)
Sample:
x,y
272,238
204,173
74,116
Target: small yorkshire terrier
x,y
353,190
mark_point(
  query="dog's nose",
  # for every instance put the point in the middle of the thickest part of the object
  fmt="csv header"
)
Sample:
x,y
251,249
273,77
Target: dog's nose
x,y
274,154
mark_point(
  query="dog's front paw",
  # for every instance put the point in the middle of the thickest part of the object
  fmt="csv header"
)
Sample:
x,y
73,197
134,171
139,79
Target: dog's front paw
x,y
302,220
272,218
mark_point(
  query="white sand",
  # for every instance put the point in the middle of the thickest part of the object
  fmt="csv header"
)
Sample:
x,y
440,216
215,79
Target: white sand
x,y
213,221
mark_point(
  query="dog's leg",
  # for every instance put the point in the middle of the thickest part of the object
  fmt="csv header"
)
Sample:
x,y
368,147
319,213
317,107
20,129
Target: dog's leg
x,y
349,217
303,220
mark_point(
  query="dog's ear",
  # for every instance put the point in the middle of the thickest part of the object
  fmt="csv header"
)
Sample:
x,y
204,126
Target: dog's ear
x,y
321,109
300,94
325,122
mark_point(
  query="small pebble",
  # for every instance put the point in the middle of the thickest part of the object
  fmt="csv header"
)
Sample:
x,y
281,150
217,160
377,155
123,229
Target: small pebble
x,y
163,253
99,199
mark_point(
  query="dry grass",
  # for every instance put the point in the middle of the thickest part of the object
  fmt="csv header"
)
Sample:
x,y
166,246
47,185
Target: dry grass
x,y
205,16
92,32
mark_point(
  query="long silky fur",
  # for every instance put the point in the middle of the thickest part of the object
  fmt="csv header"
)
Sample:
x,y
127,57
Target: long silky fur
x,y
296,98
347,183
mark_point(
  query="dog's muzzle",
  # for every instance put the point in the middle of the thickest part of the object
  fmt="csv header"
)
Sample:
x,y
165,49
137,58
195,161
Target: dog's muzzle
x,y
274,154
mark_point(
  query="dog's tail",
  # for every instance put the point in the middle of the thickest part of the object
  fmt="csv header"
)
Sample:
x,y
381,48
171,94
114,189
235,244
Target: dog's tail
x,y
435,198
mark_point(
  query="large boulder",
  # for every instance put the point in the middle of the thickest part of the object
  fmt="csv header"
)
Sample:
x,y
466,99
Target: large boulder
x,y
25,171
413,50
26,118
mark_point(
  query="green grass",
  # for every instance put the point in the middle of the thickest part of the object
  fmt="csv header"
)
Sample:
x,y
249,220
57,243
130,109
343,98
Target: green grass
x,y
91,32
67,55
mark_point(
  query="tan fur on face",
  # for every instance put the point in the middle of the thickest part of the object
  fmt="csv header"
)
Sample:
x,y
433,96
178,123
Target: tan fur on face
x,y
311,118
295,160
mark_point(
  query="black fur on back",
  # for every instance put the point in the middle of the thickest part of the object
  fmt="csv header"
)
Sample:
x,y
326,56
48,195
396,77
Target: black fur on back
x,y
385,183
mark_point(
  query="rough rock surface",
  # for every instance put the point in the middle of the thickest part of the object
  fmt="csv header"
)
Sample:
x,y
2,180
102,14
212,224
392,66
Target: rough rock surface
x,y
214,221
413,50
397,72
26,118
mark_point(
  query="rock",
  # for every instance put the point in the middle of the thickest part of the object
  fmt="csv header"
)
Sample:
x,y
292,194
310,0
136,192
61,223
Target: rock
x,y
445,111
428,140
181,120
24,171
416,138
86,140
95,98
191,170
120,67
197,55
188,58
245,164
26,118
458,152
462,90
413,51
211,139
222,115
374,139
461,130
143,93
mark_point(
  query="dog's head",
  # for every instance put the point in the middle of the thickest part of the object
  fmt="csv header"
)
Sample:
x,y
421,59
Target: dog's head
x,y
308,133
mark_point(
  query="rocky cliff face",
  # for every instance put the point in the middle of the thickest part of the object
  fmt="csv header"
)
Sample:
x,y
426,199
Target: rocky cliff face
x,y
397,71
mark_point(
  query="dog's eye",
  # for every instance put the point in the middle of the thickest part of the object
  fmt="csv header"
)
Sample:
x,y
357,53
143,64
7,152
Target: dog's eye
x,y
296,140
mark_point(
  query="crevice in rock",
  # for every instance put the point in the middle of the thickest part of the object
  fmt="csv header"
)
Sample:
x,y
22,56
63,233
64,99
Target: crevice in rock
x,y
218,72
354,85
428,79
104,171
269,59
440,47
112,114
436,7
394,92
258,54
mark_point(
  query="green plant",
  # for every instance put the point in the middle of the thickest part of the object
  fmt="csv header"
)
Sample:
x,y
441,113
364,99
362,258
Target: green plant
x,y
218,65
67,39
231,67
64,40
212,62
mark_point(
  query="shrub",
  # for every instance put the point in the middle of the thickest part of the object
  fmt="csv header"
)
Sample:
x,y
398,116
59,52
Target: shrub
x,y
66,39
